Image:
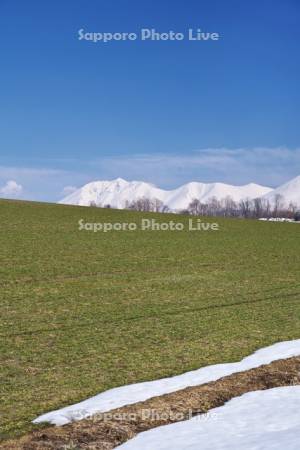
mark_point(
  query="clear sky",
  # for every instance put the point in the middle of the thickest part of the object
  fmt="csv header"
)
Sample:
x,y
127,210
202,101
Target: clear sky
x,y
166,112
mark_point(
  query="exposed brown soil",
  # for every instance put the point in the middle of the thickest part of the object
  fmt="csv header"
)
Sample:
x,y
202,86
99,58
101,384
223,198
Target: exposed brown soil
x,y
98,434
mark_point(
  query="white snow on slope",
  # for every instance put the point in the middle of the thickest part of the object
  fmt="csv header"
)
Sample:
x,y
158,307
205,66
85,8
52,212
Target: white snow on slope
x,y
133,393
116,192
260,420
290,192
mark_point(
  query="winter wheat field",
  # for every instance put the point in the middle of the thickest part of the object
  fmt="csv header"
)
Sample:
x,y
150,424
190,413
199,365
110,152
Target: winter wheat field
x,y
84,312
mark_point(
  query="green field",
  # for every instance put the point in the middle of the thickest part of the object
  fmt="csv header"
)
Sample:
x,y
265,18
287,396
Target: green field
x,y
82,312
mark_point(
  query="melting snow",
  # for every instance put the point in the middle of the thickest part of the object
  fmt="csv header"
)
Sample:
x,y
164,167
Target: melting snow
x,y
133,393
261,420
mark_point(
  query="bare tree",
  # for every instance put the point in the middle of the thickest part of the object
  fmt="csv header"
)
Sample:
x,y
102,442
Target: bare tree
x,y
278,205
245,208
158,205
292,209
194,207
266,207
230,207
214,206
258,208
147,205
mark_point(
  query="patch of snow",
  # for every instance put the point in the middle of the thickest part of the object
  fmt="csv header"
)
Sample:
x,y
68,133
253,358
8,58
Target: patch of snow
x,y
133,393
260,420
278,219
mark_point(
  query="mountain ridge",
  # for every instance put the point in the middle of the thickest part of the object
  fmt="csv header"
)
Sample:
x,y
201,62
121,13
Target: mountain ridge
x,y
118,192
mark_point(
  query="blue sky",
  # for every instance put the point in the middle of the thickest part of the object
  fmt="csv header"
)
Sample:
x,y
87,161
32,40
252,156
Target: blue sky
x,y
166,112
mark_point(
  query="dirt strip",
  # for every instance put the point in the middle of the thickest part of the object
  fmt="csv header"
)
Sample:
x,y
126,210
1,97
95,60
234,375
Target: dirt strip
x,y
108,430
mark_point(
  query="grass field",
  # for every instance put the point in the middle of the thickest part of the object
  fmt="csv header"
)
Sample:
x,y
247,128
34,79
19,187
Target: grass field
x,y
82,312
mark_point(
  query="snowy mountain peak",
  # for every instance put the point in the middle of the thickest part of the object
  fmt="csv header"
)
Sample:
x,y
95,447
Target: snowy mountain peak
x,y
289,192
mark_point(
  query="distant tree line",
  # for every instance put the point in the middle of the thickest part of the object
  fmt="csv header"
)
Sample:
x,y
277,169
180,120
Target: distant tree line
x,y
257,208
226,207
147,204
141,204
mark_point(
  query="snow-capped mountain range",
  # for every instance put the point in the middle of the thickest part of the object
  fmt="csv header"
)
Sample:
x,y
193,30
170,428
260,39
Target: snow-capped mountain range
x,y
117,193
